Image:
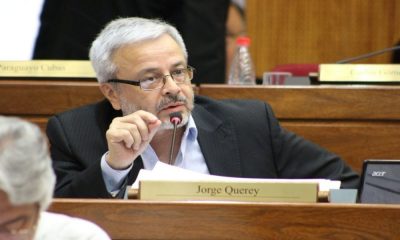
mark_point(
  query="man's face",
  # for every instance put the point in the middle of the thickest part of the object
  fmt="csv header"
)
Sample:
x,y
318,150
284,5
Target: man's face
x,y
151,58
17,222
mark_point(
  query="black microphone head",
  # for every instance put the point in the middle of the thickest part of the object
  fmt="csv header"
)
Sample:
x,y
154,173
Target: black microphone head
x,y
175,117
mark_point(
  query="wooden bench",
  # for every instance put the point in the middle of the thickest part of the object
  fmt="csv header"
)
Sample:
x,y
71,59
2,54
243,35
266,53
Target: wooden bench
x,y
134,219
356,122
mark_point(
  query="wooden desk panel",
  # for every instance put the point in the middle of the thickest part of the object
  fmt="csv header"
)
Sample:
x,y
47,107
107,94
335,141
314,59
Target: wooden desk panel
x,y
323,102
130,219
45,98
37,100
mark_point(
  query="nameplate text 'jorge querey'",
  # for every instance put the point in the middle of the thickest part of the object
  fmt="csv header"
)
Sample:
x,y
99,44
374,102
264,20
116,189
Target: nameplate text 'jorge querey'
x,y
228,190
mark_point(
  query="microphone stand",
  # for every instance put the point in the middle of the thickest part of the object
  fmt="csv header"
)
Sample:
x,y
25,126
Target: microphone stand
x,y
368,55
171,150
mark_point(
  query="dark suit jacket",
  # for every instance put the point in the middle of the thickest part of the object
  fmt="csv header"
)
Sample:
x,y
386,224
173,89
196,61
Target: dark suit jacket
x,y
68,27
238,138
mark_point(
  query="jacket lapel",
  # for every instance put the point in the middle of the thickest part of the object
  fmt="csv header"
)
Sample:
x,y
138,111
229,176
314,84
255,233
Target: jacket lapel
x,y
218,143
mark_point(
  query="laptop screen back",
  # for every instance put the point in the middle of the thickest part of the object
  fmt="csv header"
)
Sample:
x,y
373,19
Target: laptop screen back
x,y
380,182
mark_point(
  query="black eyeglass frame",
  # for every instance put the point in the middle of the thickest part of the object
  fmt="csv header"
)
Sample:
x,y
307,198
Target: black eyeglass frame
x,y
138,82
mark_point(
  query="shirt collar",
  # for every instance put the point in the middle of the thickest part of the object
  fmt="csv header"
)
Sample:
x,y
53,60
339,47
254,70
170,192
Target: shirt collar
x,y
191,130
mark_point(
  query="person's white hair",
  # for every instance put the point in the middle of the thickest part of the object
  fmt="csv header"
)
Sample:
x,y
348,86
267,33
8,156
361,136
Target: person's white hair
x,y
26,174
126,31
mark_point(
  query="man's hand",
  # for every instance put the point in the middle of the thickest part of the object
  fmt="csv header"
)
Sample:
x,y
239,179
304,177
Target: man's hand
x,y
128,136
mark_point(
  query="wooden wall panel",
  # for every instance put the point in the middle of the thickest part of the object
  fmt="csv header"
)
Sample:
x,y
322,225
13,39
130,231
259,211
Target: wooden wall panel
x,y
315,31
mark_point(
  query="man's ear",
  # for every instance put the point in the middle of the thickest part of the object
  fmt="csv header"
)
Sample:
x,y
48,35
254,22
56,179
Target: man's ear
x,y
110,93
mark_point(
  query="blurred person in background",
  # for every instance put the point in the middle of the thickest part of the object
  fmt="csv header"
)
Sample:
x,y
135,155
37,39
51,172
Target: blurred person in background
x,y
26,188
68,27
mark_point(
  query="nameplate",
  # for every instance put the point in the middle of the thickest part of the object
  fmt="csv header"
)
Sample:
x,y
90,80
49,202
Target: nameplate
x,y
367,73
172,190
47,68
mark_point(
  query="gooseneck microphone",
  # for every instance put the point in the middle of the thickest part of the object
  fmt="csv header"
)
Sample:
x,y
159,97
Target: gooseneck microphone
x,y
175,118
368,55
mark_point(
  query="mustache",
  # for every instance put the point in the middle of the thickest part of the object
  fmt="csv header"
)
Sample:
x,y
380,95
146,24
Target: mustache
x,y
171,99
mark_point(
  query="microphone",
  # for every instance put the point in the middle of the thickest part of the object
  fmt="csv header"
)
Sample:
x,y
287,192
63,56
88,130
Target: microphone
x,y
368,55
175,118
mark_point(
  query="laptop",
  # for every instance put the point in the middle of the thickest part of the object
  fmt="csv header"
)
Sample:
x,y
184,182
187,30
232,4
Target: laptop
x,y
380,182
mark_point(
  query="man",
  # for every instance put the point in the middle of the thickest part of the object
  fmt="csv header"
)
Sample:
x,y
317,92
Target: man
x,y
142,69
26,188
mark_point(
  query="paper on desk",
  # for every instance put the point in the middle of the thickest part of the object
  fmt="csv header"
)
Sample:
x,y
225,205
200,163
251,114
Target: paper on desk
x,y
162,171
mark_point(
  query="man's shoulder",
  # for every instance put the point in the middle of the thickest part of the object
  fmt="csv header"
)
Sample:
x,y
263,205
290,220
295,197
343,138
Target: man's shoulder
x,y
87,118
242,113
85,109
229,104
90,111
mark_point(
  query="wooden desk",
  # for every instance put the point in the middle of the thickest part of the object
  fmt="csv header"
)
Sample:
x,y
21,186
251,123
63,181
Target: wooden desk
x,y
37,100
130,219
357,122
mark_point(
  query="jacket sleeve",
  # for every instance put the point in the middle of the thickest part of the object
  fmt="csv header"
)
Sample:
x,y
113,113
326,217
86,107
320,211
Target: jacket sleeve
x,y
296,157
76,177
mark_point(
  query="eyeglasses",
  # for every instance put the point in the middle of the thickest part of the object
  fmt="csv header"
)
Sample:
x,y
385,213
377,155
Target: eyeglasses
x,y
180,76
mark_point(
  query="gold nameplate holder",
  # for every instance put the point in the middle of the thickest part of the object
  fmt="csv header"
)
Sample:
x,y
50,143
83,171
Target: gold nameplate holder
x,y
47,69
359,73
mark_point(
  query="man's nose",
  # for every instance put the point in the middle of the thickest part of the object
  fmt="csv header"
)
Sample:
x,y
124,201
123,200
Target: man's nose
x,y
170,86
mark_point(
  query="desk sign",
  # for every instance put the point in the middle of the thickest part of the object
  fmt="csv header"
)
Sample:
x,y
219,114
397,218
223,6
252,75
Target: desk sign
x,y
373,73
47,68
216,190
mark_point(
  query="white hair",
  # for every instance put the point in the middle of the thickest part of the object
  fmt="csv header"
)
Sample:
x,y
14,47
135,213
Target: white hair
x,y
26,174
126,31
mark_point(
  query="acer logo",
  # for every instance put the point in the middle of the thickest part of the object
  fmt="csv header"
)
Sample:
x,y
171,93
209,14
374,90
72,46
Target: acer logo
x,y
378,173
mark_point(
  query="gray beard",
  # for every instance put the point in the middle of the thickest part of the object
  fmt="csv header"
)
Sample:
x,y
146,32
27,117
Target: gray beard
x,y
127,108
